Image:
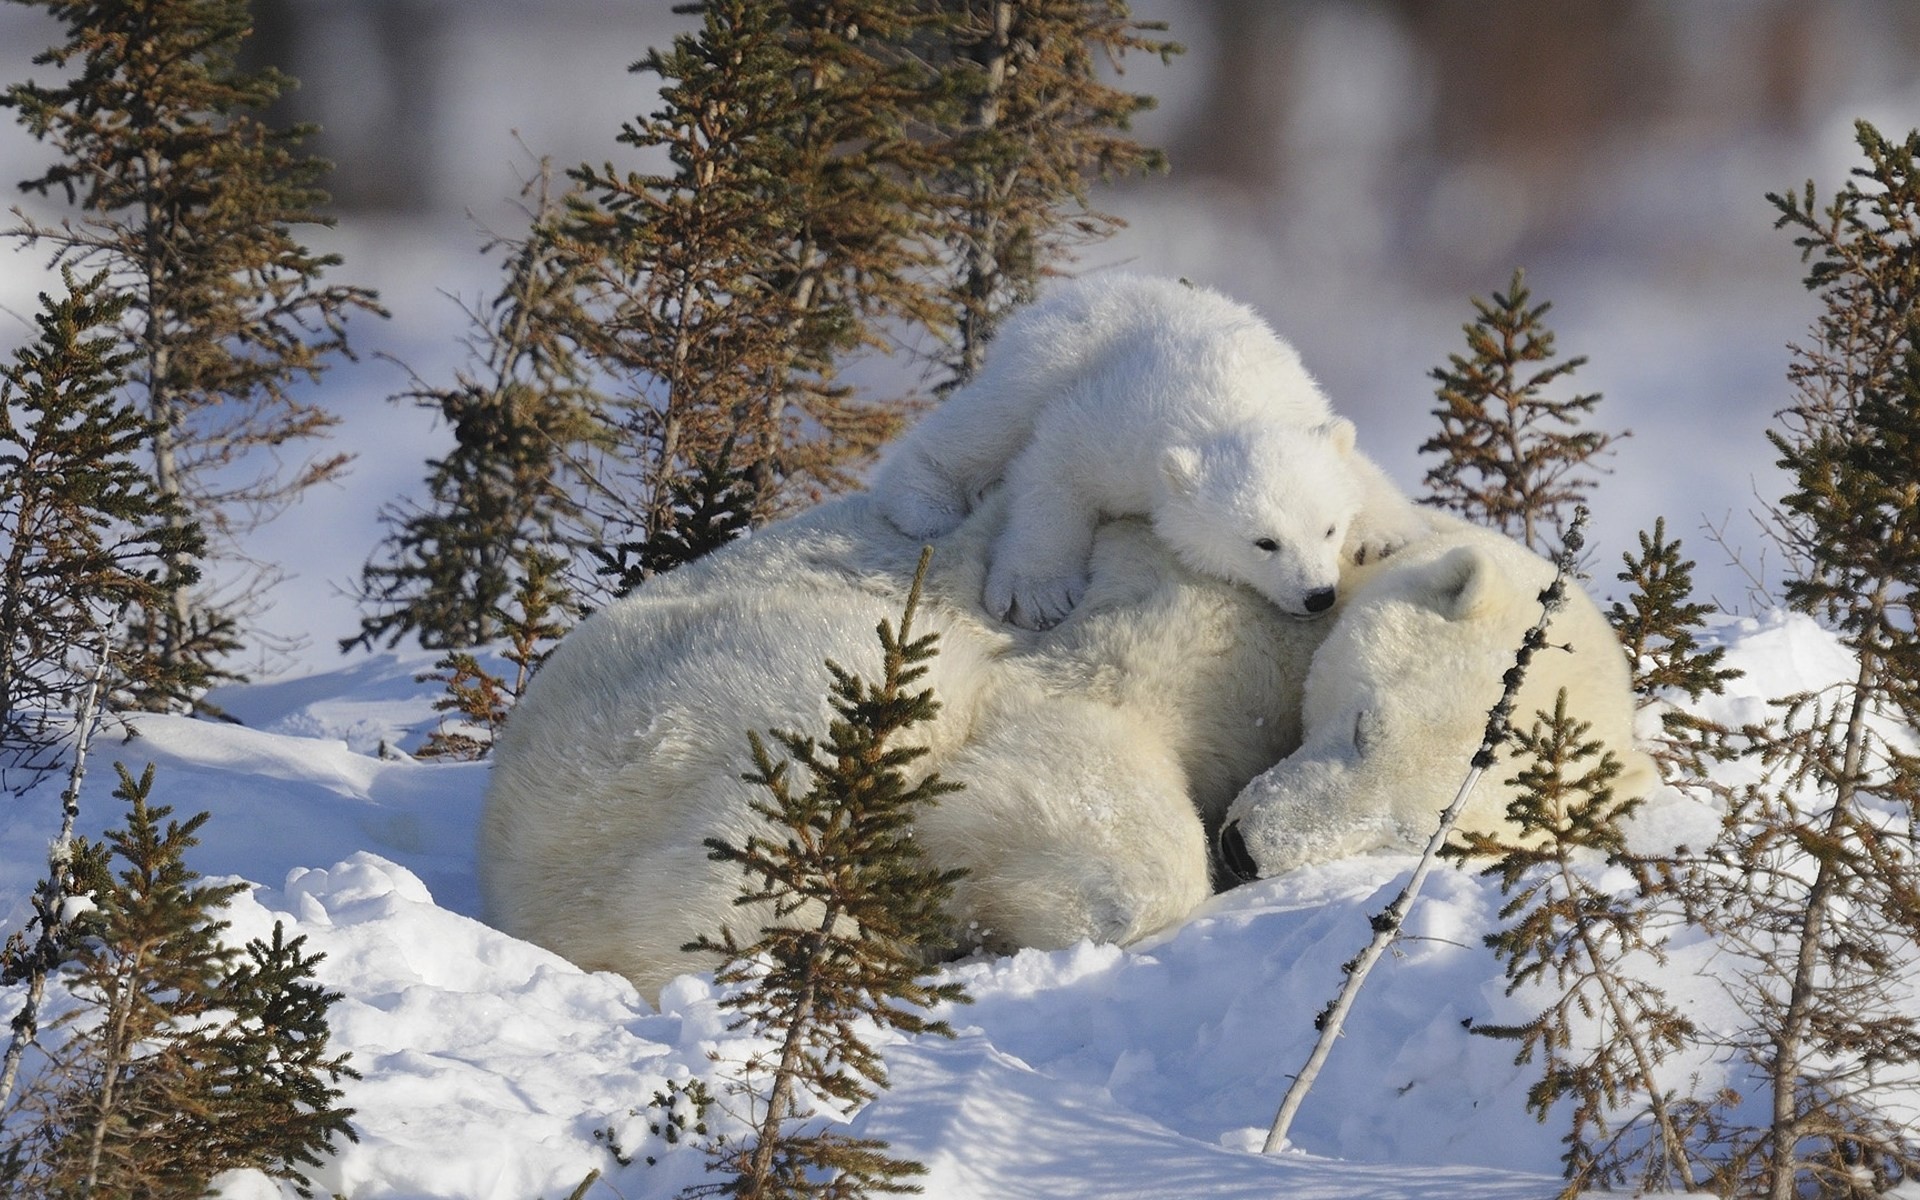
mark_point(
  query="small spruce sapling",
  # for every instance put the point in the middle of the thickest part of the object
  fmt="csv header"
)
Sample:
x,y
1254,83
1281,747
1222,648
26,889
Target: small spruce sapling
x,y
1513,457
474,708
1601,1040
184,1057
480,700
279,1109
1659,622
856,913
528,429
1659,625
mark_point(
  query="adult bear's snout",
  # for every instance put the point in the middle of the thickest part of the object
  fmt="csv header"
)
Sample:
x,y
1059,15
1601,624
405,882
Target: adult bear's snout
x,y
1233,852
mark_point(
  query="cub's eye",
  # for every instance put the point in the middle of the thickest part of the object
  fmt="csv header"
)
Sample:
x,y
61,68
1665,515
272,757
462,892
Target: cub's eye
x,y
1331,530
1267,544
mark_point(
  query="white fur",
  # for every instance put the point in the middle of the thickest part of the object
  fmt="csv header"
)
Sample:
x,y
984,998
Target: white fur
x,y
1129,396
1098,757
1397,699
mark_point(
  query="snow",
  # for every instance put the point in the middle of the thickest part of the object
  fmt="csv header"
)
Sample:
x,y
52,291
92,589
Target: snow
x,y
494,1070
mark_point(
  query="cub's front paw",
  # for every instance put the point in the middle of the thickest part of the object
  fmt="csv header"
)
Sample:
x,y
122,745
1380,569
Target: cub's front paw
x,y
919,515
1372,549
1032,601
1371,538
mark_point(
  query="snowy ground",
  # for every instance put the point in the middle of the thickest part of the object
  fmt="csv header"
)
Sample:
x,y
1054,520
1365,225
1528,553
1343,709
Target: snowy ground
x,y
496,1071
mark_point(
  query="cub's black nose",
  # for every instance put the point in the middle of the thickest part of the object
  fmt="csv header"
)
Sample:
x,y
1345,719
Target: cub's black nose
x,y
1321,600
1233,852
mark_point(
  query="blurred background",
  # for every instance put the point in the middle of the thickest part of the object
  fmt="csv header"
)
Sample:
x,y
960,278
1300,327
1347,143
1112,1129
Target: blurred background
x,y
1356,169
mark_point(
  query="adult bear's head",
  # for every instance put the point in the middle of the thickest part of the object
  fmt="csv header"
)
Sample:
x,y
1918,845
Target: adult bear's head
x,y
1397,700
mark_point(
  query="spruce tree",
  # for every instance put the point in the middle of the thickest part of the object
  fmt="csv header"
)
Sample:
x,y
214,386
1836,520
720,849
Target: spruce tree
x,y
1513,457
1605,1033
272,1071
660,372
184,1058
856,913
1038,124
1817,878
189,202
481,700
477,701
1659,624
84,530
783,231
529,433
845,176
708,507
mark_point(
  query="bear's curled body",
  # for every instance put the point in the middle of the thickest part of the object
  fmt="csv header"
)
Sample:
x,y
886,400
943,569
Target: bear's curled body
x,y
1098,758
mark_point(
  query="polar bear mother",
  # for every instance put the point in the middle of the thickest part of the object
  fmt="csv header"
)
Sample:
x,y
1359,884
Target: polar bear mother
x,y
1099,758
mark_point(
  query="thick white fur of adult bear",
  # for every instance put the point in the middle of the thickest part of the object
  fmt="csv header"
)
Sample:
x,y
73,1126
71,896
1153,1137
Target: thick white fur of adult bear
x,y
1397,700
1123,395
1098,758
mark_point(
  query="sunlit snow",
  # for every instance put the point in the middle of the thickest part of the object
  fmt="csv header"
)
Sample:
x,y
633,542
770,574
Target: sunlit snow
x,y
493,1070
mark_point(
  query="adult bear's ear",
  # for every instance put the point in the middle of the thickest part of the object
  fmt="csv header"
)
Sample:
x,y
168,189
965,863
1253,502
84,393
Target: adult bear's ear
x,y
1340,432
1181,466
1464,583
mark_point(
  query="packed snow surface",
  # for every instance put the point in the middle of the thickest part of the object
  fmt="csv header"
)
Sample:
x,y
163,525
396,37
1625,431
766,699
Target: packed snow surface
x,y
493,1070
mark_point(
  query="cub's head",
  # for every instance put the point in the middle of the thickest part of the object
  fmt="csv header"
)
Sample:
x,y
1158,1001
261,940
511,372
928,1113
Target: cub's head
x,y
1269,509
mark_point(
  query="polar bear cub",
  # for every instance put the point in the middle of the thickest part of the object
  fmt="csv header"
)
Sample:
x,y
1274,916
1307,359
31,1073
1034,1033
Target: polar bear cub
x,y
1133,396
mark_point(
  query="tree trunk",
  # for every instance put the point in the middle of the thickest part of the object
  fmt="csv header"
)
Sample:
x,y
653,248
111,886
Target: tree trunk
x,y
1670,1146
780,1100
163,407
14,579
54,889
116,1053
983,250
1789,1049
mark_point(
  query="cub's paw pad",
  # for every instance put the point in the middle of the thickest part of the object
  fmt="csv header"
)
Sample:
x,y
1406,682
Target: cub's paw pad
x,y
1377,535
1370,545
1032,601
1374,550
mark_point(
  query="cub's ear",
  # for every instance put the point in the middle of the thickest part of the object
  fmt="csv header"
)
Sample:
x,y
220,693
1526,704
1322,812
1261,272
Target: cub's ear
x,y
1341,433
1463,584
1181,466
1366,731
